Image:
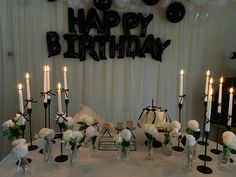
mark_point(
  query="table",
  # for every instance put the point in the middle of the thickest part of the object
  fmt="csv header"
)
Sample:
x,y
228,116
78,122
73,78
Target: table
x,y
107,165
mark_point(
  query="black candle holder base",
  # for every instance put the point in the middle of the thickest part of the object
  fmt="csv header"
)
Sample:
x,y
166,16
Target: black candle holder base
x,y
205,158
178,148
155,144
61,158
216,151
203,143
32,147
231,160
53,141
204,169
233,151
29,160
41,151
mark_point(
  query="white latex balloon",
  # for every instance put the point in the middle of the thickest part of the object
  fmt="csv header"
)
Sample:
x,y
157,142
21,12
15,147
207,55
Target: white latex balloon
x,y
87,1
215,5
74,3
122,3
199,2
201,16
164,3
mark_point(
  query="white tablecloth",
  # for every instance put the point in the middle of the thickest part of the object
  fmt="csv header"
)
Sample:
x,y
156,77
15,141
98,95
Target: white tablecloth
x,y
107,165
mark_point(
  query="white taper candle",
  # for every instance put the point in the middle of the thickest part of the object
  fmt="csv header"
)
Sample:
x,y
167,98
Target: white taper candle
x,y
230,109
220,95
206,85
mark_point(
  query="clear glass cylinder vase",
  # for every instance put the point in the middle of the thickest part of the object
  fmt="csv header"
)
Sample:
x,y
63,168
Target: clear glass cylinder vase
x,y
73,153
223,160
122,153
93,148
23,166
149,149
189,157
167,147
47,150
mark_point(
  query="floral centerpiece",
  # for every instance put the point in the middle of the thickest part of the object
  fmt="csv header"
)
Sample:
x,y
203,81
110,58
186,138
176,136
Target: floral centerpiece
x,y
92,133
11,130
20,150
151,133
171,130
123,141
86,121
47,134
193,129
73,140
229,140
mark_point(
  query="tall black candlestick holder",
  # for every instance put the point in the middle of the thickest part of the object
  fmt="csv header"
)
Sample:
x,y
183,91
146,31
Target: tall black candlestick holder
x,y
31,147
203,168
67,103
202,142
61,158
49,113
216,150
180,105
45,105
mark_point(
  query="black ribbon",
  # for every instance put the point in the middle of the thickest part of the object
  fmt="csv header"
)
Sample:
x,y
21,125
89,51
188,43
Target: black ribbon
x,y
49,93
182,99
60,115
21,114
31,100
65,91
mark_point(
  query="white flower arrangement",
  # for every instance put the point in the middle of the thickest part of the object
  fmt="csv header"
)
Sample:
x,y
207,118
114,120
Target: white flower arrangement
x,y
69,121
86,121
123,138
11,130
47,133
72,138
175,125
150,131
172,128
91,132
193,125
20,148
229,140
126,134
190,141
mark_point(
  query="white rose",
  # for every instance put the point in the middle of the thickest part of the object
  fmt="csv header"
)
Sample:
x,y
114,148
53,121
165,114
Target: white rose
x,y
175,125
8,124
67,134
89,120
175,133
51,134
18,141
70,121
150,129
190,140
91,132
228,135
232,144
126,134
77,135
118,139
193,125
166,126
20,150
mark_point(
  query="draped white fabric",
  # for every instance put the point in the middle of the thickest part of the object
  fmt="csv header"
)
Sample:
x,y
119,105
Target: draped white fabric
x,y
116,87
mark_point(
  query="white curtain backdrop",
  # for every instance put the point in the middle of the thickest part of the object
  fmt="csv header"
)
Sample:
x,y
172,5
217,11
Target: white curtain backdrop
x,y
116,87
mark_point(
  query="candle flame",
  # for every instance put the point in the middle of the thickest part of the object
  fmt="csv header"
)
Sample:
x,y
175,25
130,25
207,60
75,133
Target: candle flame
x,y
45,68
27,75
65,69
181,72
211,92
19,86
221,80
231,90
208,72
59,86
211,80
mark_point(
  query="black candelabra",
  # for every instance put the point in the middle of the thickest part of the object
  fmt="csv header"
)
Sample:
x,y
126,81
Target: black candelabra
x,y
180,105
60,120
202,142
203,168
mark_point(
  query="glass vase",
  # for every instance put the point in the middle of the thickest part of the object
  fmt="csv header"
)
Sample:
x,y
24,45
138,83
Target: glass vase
x,y
167,146
149,149
189,157
23,166
223,160
93,147
73,155
123,153
47,150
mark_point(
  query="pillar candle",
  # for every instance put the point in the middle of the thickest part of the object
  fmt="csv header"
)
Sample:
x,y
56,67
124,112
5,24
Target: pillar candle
x,y
59,98
21,105
206,85
208,113
65,82
45,84
220,95
181,86
28,90
230,107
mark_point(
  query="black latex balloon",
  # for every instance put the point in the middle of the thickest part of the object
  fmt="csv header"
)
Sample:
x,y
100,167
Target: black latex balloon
x,y
150,2
54,47
175,12
51,0
102,5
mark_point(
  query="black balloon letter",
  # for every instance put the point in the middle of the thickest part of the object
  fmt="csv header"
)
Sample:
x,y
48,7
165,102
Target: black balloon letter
x,y
54,47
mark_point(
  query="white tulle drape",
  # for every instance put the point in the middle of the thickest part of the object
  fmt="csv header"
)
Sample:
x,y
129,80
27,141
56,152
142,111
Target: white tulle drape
x,y
114,88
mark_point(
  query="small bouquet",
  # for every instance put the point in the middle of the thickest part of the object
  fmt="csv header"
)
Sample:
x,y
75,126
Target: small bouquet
x,y
229,140
86,121
64,122
47,134
193,129
11,130
150,131
171,130
123,139
92,134
73,139
20,150
188,141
